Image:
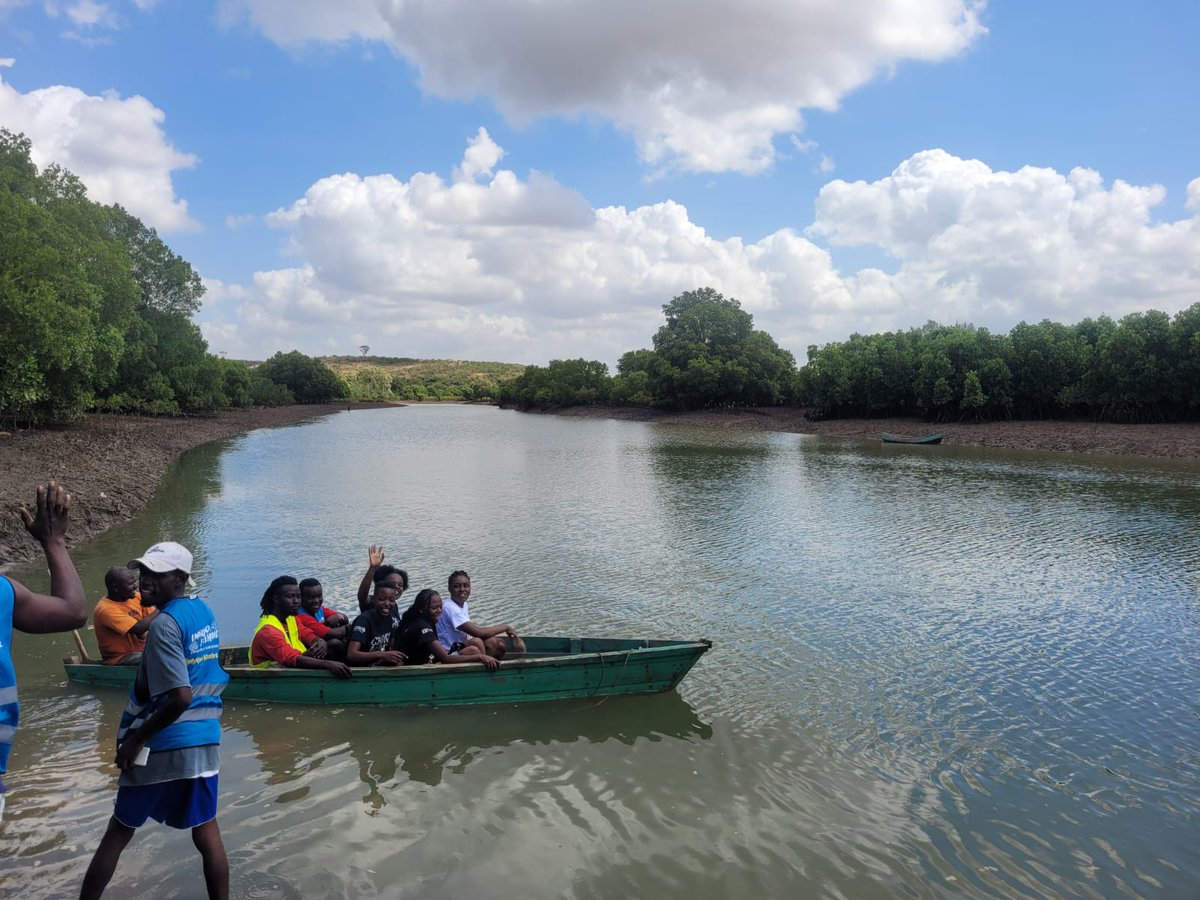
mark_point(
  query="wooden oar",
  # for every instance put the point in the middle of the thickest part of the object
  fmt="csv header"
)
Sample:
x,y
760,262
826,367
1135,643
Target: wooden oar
x,y
83,654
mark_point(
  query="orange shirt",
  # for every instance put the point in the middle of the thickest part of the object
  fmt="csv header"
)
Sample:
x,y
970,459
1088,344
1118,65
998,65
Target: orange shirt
x,y
113,619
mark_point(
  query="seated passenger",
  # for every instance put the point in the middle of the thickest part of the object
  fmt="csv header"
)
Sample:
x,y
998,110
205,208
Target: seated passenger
x,y
120,620
417,636
327,624
281,638
378,573
371,633
455,629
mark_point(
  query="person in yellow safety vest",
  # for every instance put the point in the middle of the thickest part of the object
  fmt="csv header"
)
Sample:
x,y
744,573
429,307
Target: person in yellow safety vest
x,y
282,639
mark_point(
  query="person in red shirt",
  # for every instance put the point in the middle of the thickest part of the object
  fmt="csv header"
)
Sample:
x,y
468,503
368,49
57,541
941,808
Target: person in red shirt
x,y
327,624
283,639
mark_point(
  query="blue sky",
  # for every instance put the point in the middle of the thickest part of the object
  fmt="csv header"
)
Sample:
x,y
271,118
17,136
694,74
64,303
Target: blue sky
x,y
525,181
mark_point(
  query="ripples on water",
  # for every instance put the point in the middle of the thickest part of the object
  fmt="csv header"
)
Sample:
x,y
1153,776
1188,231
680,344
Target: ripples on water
x,y
938,671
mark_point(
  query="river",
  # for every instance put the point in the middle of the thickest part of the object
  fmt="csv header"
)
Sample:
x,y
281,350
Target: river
x,y
937,671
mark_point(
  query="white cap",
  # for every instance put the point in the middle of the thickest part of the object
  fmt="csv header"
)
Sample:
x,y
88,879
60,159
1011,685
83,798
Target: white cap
x,y
165,557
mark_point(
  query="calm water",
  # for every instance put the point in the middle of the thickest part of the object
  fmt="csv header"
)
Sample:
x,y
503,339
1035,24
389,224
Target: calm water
x,y
938,672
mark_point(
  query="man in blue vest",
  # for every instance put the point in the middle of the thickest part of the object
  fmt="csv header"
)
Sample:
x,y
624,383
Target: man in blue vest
x,y
64,608
168,742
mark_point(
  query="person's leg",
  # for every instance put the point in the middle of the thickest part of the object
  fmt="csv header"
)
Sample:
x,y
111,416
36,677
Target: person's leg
x,y
104,863
476,643
496,646
207,838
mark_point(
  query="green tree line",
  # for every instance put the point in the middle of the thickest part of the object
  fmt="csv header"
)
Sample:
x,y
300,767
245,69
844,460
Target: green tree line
x,y
97,310
708,354
1145,367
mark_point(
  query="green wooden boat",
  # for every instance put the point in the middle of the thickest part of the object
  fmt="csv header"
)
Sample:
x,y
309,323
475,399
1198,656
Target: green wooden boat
x,y
903,439
552,668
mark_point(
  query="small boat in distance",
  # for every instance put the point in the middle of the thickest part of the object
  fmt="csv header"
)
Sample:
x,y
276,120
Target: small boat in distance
x,y
552,668
901,439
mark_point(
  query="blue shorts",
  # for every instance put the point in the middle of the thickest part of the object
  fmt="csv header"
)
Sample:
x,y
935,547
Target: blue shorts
x,y
184,803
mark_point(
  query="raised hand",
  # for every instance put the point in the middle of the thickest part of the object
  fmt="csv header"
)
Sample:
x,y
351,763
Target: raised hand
x,y
65,607
49,520
375,556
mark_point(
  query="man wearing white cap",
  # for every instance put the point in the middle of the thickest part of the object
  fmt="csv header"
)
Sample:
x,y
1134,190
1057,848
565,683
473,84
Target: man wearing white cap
x,y
168,742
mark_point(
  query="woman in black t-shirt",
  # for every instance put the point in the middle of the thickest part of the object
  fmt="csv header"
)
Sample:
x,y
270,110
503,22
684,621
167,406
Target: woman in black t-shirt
x,y
372,633
417,639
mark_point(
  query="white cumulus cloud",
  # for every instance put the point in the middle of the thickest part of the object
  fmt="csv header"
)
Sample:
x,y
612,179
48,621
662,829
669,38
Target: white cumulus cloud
x,y
996,247
299,21
502,267
90,14
702,85
115,145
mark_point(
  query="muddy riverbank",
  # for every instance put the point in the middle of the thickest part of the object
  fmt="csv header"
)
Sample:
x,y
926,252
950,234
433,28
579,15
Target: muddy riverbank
x,y
111,464
1172,441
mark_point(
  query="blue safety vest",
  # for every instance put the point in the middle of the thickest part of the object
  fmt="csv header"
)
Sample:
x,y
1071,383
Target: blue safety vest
x,y
200,723
9,710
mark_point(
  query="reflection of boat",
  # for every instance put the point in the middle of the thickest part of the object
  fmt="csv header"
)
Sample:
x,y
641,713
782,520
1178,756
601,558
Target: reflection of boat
x,y
424,744
902,439
553,668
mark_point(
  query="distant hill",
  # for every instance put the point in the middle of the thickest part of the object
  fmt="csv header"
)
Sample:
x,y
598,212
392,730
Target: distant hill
x,y
450,370
402,378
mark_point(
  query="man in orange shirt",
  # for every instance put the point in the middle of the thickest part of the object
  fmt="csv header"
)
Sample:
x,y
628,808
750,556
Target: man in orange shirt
x,y
120,619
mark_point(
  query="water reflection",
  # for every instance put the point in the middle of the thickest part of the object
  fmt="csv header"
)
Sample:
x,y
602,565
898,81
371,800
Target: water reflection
x,y
938,672
425,744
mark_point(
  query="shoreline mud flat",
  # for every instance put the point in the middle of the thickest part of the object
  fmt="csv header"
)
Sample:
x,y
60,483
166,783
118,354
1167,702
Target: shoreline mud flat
x,y
1165,441
112,464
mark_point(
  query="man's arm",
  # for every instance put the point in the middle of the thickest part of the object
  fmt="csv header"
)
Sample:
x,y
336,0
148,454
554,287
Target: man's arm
x,y
374,561
485,631
317,648
166,677
443,656
177,700
339,670
65,607
121,621
142,625
356,656
321,630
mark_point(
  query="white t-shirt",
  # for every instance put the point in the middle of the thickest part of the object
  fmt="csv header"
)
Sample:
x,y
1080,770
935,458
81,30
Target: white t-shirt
x,y
449,624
